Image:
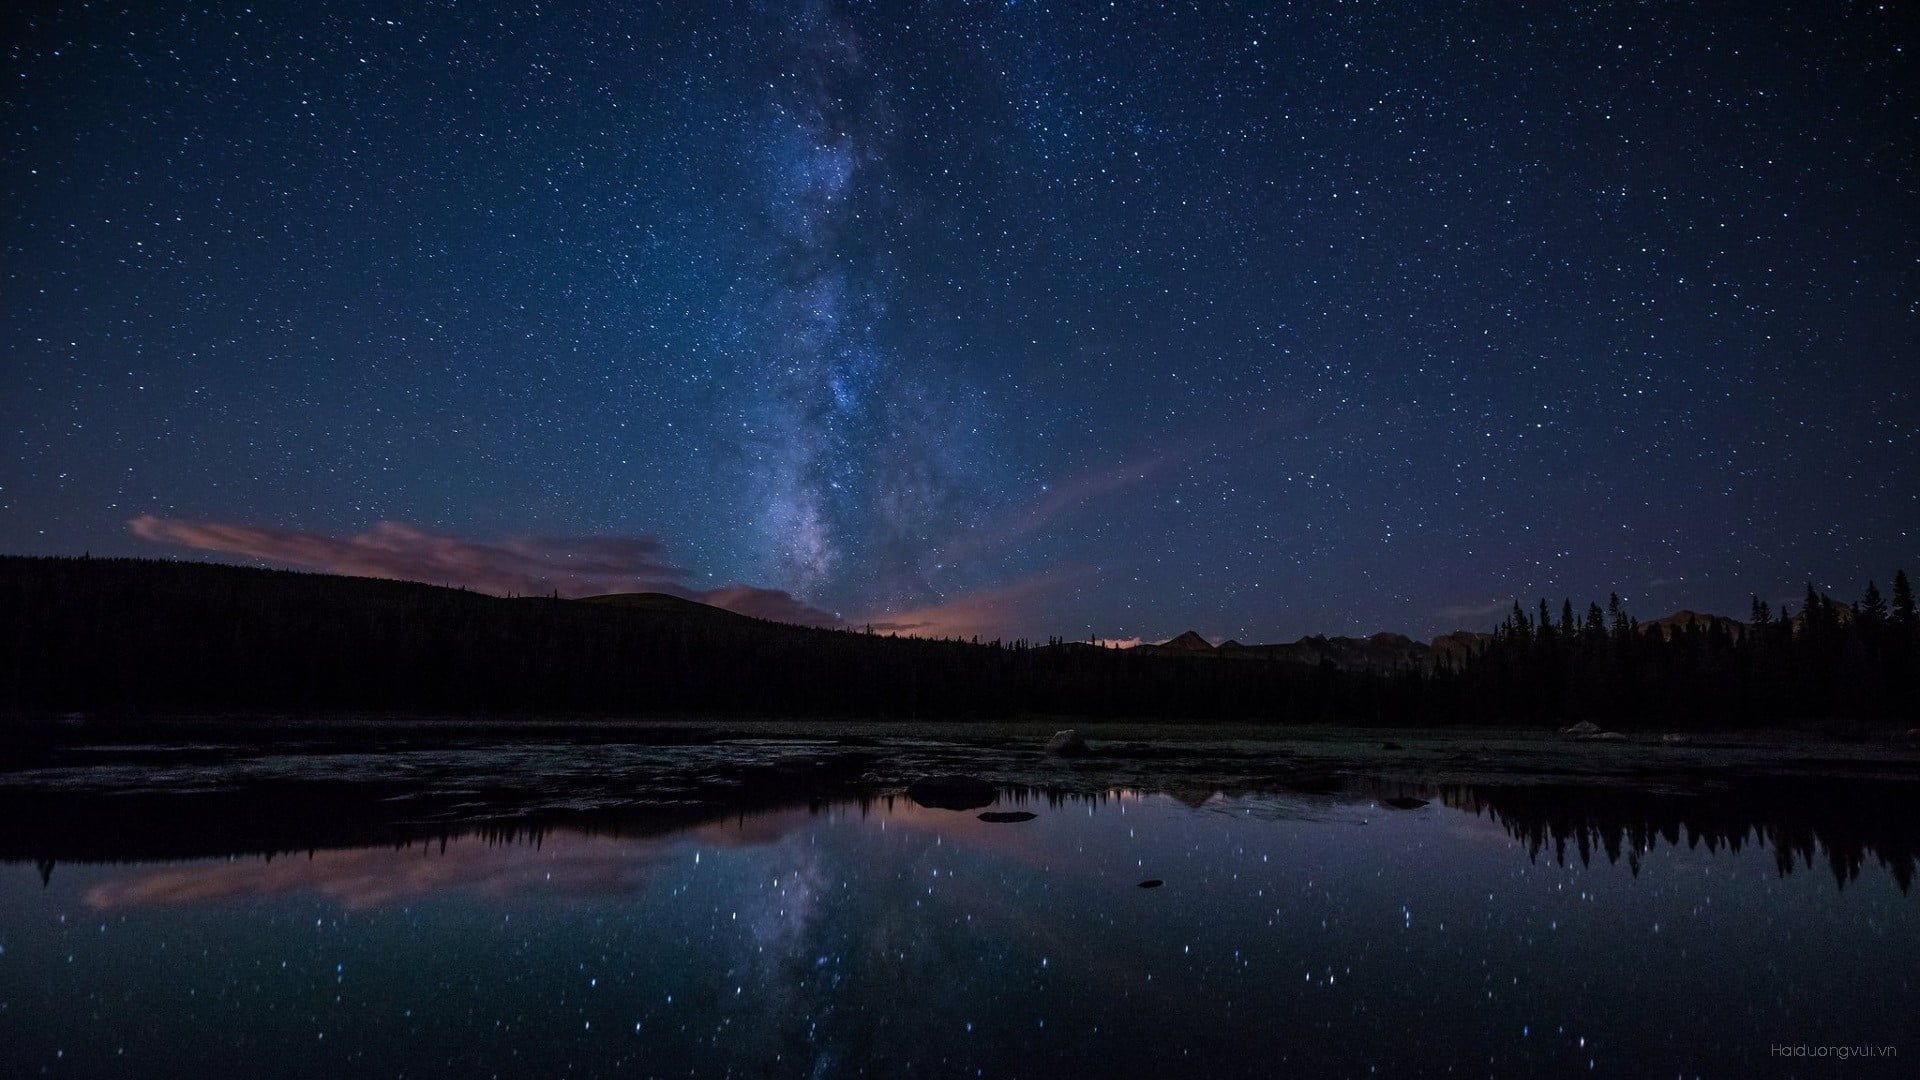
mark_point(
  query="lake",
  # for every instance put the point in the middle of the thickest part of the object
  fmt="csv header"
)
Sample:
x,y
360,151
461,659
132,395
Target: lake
x,y
1375,928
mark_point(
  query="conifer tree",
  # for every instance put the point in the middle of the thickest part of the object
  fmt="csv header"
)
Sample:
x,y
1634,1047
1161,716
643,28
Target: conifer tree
x,y
1873,610
1521,630
1903,611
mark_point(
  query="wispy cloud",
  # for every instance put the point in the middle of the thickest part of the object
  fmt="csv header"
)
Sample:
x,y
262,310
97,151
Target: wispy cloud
x,y
1475,611
1060,499
521,565
986,611
1084,489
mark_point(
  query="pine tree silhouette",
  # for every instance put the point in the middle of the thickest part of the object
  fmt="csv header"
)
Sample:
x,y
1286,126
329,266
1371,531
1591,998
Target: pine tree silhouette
x,y
1903,609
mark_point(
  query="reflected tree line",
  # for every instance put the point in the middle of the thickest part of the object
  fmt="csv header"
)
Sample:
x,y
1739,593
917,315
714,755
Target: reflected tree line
x,y
157,637
1845,824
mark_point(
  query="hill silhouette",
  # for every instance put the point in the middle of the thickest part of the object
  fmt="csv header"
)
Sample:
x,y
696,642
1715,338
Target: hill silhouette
x,y
659,603
156,637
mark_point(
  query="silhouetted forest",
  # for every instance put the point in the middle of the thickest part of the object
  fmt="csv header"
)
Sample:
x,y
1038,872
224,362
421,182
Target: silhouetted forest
x,y
1828,660
155,637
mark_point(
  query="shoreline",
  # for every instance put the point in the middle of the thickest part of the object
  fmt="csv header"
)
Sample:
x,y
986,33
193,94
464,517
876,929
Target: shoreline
x,y
105,794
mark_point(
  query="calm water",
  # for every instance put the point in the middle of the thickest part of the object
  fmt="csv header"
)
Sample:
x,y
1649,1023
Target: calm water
x,y
1292,936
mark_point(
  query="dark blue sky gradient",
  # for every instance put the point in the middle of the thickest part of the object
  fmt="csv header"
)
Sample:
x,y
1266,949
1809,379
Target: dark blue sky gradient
x,y
1109,319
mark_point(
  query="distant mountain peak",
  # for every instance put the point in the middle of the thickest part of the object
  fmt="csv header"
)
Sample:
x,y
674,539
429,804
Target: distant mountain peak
x,y
1191,641
1686,619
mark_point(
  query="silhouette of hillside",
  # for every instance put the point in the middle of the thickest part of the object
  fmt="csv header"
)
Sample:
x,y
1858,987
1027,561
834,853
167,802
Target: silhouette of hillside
x,y
658,603
156,637
125,635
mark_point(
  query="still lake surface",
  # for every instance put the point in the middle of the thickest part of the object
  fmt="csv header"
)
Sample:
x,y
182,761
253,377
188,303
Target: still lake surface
x,y
1292,935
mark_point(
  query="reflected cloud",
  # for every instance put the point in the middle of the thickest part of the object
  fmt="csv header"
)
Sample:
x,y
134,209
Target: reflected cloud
x,y
564,865
561,862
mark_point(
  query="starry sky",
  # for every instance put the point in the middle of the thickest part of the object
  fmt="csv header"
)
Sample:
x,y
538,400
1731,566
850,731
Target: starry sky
x,y
1026,318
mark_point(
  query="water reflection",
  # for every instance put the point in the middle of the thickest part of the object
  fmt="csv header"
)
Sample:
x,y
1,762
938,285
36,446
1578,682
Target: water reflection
x,y
1352,932
1843,825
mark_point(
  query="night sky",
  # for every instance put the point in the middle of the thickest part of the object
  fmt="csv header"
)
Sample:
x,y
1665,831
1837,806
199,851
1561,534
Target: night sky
x,y
1011,317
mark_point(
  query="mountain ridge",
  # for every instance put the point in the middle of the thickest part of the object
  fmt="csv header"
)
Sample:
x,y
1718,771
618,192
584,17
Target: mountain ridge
x,y
1388,651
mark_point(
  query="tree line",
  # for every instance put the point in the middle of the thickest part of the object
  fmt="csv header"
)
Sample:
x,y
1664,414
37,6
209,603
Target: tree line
x,y
1825,660
165,637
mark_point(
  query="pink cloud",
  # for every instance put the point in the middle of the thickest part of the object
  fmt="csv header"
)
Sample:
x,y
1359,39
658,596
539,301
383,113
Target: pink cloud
x,y
523,566
985,612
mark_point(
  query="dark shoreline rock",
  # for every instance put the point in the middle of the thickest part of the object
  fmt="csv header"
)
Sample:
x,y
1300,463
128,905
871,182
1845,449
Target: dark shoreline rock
x,y
1067,743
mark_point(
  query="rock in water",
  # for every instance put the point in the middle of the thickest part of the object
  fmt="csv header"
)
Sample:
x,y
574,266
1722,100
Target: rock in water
x,y
1404,802
1151,883
1066,743
952,792
1584,727
1006,817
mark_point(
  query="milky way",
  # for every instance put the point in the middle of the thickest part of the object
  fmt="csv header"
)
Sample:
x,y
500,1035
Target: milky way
x,y
858,468
1018,318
